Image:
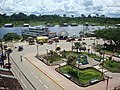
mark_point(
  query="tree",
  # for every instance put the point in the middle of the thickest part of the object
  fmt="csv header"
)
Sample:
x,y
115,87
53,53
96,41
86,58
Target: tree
x,y
84,43
77,45
83,16
71,60
89,16
11,37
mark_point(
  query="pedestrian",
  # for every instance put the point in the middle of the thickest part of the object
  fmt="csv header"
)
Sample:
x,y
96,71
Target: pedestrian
x,y
20,58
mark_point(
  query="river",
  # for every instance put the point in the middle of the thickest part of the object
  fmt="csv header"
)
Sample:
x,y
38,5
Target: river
x,y
70,29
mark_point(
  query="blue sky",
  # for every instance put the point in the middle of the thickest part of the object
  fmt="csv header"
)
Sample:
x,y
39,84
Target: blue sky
x,y
69,7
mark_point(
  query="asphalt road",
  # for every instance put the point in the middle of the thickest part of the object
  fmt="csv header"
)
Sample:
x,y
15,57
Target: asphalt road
x,y
36,77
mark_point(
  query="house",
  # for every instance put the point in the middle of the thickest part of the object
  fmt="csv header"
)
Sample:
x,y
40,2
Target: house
x,y
63,34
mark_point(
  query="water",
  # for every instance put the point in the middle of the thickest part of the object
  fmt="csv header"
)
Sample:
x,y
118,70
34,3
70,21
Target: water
x,y
70,29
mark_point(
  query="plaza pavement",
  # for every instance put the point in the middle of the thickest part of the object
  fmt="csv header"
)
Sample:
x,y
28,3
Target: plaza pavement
x,y
67,84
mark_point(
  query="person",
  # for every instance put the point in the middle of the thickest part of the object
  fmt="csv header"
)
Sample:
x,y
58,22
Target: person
x,y
20,58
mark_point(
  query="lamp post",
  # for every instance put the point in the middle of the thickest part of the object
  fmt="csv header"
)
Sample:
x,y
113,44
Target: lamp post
x,y
107,78
59,58
72,40
8,55
103,61
37,49
94,42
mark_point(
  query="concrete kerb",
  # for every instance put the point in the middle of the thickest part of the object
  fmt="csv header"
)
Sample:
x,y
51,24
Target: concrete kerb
x,y
45,73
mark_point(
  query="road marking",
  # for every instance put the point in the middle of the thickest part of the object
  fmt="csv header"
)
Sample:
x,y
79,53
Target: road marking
x,y
32,73
45,86
23,59
21,80
25,86
36,77
40,81
18,76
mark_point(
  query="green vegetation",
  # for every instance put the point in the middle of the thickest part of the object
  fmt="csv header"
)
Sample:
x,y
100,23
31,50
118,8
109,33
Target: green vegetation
x,y
21,18
11,37
112,66
113,36
68,53
82,76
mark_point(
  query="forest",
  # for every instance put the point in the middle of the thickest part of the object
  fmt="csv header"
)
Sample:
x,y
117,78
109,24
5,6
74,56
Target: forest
x,y
21,18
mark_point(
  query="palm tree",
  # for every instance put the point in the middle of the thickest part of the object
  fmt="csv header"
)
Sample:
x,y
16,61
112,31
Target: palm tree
x,y
84,43
77,45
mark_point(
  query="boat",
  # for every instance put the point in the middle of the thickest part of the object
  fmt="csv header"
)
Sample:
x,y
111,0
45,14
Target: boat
x,y
8,25
64,25
35,31
74,24
26,25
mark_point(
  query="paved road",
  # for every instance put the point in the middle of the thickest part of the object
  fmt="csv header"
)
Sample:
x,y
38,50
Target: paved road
x,y
36,77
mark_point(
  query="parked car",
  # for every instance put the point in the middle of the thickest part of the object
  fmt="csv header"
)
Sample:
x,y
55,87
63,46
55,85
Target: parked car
x,y
20,48
79,39
50,41
68,40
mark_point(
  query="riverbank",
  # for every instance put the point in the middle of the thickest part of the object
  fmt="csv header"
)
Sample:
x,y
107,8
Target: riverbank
x,y
37,23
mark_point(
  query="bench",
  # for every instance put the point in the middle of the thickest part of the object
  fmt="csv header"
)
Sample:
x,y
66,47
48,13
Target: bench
x,y
68,76
93,81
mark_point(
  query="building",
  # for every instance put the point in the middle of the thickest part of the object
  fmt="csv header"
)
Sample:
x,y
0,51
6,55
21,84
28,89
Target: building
x,y
52,34
63,34
35,31
74,24
26,25
8,25
8,81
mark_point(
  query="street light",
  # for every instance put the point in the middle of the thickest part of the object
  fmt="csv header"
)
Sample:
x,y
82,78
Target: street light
x,y
8,56
59,57
37,50
107,78
72,40
103,61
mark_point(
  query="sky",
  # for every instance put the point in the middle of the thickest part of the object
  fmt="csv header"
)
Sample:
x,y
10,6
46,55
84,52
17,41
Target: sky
x,y
110,8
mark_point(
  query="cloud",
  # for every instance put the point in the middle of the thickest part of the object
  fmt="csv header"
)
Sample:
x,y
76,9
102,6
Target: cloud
x,y
74,7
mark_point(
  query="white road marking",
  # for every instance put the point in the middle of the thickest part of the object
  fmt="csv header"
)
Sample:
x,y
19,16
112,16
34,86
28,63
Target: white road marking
x,y
32,73
36,77
25,86
18,76
45,86
21,80
24,59
40,81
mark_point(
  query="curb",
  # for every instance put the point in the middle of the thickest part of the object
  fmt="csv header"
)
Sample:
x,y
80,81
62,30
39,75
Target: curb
x,y
45,74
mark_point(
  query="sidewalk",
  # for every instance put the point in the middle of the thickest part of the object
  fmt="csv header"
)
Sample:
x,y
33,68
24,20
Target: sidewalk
x,y
59,79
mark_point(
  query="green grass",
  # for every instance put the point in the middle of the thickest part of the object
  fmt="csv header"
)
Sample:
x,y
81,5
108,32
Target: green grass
x,y
85,75
68,53
112,66
91,55
52,58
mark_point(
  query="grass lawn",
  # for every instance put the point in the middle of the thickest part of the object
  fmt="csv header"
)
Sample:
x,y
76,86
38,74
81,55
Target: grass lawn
x,y
85,75
112,66
91,55
52,58
68,53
